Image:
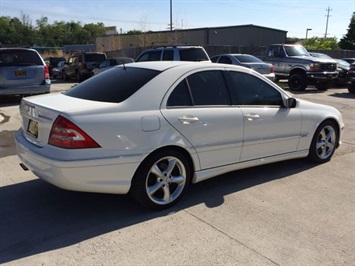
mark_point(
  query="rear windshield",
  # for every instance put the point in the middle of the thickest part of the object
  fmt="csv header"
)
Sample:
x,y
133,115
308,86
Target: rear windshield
x,y
247,59
95,57
193,54
113,85
19,58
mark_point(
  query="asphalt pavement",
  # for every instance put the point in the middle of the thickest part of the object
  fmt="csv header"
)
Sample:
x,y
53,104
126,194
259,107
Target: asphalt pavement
x,y
288,213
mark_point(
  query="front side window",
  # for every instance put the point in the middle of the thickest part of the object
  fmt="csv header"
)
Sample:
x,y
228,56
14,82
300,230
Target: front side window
x,y
274,51
251,90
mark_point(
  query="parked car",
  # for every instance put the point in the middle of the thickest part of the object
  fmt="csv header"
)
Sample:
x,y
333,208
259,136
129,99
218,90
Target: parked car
x,y
351,78
294,63
109,135
174,53
342,68
23,72
52,62
109,63
349,60
57,71
246,60
79,66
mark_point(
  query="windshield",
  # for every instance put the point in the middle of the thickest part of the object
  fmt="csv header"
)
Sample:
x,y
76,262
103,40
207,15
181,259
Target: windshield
x,y
297,50
18,57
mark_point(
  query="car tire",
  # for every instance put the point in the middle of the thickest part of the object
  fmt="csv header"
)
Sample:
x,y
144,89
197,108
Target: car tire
x,y
161,179
65,77
324,142
297,82
351,88
78,77
323,85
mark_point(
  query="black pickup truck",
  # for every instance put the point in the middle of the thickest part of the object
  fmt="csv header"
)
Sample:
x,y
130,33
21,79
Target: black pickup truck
x,y
294,63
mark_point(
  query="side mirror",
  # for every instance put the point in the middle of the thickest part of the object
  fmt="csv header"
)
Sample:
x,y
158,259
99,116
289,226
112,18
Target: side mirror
x,y
291,102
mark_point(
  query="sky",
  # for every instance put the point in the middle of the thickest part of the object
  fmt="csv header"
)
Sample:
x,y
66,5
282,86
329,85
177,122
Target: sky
x,y
292,16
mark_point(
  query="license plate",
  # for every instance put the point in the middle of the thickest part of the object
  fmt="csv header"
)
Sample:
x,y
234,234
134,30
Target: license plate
x,y
20,73
32,128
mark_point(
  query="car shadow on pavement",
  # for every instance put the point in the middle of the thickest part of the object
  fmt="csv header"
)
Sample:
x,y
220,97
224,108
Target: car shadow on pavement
x,y
345,95
37,217
10,100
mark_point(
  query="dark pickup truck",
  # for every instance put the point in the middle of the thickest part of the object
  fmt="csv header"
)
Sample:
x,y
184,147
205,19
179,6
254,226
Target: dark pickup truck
x,y
294,63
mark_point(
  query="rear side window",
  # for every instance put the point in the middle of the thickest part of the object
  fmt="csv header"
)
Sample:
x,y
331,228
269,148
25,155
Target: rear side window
x,y
19,58
209,88
225,60
114,85
150,56
168,55
202,88
193,54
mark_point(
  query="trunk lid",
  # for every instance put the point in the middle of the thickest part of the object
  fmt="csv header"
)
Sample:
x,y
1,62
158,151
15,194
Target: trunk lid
x,y
39,113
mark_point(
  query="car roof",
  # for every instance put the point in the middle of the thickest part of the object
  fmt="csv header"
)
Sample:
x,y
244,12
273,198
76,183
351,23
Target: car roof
x,y
164,65
233,55
17,48
183,65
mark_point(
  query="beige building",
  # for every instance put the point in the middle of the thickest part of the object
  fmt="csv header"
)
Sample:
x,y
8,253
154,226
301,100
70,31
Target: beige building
x,y
244,35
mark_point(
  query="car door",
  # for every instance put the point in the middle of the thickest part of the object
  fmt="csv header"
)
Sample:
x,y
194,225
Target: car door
x,y
199,107
70,68
274,57
270,128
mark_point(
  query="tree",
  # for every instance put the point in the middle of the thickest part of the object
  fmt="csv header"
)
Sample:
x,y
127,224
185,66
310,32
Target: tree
x,y
316,43
20,32
348,41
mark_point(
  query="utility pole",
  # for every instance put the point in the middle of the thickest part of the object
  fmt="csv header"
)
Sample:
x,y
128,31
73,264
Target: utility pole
x,y
326,27
171,15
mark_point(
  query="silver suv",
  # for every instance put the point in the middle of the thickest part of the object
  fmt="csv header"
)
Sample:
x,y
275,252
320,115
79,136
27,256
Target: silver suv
x,y
23,72
174,53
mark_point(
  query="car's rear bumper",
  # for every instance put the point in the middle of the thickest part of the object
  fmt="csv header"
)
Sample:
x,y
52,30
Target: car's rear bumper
x,y
270,76
102,175
26,90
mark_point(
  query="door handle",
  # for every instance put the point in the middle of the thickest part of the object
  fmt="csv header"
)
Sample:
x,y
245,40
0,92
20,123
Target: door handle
x,y
187,119
251,117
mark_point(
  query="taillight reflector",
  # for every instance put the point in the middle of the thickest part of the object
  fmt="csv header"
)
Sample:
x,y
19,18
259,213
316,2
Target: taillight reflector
x,y
46,72
65,134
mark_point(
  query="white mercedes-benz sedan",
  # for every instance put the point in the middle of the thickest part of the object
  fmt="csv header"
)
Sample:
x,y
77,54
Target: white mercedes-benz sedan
x,y
153,128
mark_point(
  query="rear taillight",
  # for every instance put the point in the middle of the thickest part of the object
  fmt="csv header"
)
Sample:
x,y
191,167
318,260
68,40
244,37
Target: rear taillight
x,y
272,70
46,72
65,134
